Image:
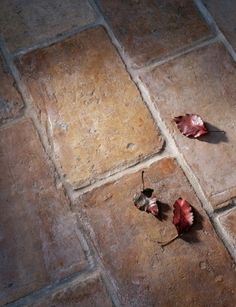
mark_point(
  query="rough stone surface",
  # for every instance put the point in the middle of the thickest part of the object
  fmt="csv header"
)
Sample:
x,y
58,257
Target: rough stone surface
x,y
11,103
151,30
228,222
87,293
25,23
94,113
193,271
201,82
39,241
224,13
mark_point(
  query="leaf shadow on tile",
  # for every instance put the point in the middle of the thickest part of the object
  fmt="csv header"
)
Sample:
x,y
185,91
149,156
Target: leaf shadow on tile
x,y
214,136
163,209
192,235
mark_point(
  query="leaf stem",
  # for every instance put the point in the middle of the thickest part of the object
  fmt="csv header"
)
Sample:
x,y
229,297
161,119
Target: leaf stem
x,y
143,179
220,131
168,242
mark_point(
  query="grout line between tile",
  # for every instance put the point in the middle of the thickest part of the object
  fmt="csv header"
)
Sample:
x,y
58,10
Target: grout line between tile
x,y
212,23
221,211
12,122
224,210
116,176
119,169
107,278
28,300
224,235
197,45
55,39
95,6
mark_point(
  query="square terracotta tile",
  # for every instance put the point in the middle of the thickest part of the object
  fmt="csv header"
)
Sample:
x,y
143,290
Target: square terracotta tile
x,y
193,271
92,110
11,104
39,240
151,30
201,82
26,23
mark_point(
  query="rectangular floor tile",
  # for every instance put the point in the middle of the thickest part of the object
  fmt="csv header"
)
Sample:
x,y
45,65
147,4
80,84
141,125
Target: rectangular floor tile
x,y
39,242
224,13
88,293
11,103
25,23
201,82
94,113
150,30
193,271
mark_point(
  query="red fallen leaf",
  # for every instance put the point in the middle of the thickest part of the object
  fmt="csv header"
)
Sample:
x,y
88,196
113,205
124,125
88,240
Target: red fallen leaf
x,y
183,219
183,215
191,125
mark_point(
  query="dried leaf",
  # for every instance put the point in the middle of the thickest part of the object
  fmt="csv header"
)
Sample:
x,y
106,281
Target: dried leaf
x,y
191,125
183,215
182,219
153,208
144,200
145,203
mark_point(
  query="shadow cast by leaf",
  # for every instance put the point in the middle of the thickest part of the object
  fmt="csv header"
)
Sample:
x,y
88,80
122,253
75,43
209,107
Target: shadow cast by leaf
x,y
148,192
163,209
192,235
214,135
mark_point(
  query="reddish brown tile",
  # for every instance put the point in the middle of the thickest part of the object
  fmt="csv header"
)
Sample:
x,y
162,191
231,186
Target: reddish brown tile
x,y
224,13
87,293
201,82
94,113
228,222
150,30
26,23
39,242
11,103
193,271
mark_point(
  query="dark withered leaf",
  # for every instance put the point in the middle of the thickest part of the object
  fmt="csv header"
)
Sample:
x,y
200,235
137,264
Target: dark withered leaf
x,y
144,201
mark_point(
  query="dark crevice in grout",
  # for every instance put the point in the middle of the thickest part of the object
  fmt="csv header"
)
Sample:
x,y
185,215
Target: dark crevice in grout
x,y
231,204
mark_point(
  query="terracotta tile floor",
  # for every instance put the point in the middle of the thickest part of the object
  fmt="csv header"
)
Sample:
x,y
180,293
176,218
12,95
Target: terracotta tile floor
x,y
88,93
